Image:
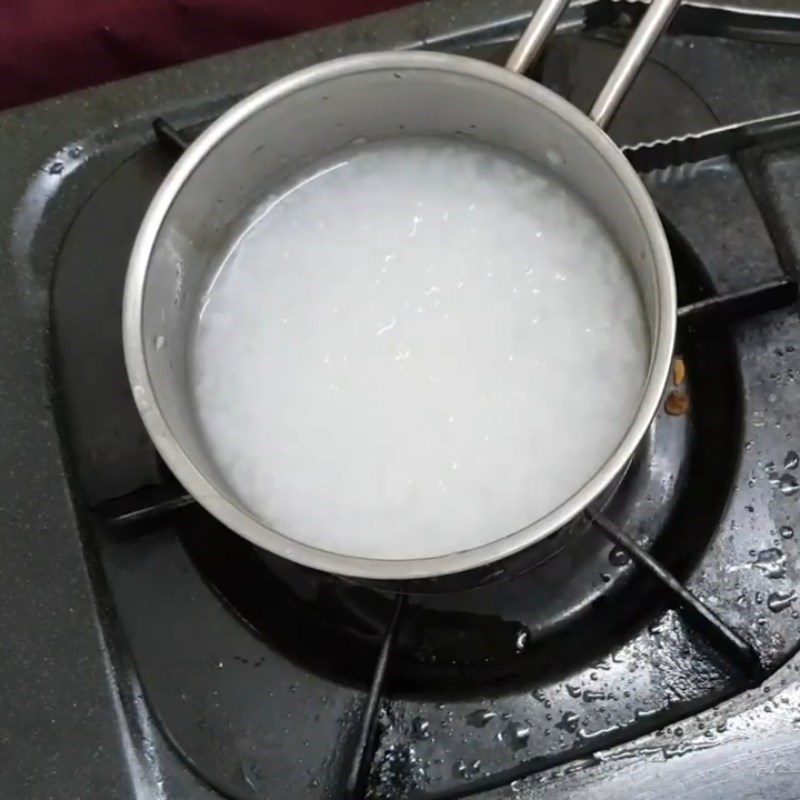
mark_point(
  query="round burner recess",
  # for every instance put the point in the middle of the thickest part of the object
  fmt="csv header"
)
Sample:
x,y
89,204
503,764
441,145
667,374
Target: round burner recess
x,y
581,599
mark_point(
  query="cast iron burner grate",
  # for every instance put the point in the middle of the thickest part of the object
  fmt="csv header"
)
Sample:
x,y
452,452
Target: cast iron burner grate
x,y
740,654
325,639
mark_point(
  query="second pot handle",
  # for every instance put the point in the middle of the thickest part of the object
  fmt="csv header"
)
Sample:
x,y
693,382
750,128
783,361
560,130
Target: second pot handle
x,y
543,21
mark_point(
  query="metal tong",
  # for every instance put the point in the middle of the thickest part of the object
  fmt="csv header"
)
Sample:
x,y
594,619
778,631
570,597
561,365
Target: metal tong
x,y
778,130
772,131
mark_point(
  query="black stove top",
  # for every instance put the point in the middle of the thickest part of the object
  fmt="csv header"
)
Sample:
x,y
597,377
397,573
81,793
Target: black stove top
x,y
177,660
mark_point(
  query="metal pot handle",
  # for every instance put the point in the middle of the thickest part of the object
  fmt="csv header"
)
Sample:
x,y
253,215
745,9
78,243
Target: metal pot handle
x,y
531,43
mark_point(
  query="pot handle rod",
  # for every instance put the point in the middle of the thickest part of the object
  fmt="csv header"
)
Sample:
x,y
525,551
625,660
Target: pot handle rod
x,y
655,20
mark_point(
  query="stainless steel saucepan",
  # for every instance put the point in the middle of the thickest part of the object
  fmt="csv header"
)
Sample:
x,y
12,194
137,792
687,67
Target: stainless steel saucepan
x,y
278,129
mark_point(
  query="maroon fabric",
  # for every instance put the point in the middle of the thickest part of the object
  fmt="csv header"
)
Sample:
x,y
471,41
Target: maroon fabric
x,y
52,46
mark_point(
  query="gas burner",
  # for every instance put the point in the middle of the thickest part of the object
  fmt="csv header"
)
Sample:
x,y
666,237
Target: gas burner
x,y
569,605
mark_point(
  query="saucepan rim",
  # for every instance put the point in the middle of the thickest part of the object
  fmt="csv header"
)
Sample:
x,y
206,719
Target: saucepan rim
x,y
226,509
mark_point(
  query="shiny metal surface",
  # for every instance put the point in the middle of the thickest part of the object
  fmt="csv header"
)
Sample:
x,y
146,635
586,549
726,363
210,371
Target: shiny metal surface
x,y
775,130
530,45
301,117
543,22
778,10
655,20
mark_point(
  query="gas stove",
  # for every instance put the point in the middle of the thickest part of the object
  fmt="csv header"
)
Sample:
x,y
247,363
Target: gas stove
x,y
154,654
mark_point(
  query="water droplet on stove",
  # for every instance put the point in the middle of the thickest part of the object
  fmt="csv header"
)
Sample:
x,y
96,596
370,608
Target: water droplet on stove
x,y
56,168
605,577
618,557
774,478
516,786
748,444
771,562
788,484
466,769
574,691
786,531
590,696
679,731
569,722
791,460
159,342
779,601
480,718
420,728
516,735
399,772
521,640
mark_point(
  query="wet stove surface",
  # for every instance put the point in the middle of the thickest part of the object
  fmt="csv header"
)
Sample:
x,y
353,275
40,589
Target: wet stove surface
x,y
236,673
